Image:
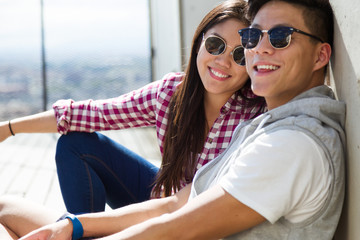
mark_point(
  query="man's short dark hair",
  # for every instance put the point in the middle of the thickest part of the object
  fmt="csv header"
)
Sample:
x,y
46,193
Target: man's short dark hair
x,y
318,16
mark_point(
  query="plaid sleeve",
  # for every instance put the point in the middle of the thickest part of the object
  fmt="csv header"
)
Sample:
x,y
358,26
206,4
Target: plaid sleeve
x,y
134,109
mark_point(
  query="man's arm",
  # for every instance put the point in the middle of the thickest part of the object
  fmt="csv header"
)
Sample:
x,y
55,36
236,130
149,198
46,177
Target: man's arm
x,y
110,222
213,214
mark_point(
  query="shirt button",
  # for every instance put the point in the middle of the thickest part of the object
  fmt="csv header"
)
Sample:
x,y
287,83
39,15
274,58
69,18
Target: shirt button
x,y
210,140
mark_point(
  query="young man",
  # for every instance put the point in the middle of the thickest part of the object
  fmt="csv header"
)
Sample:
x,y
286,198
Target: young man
x,y
282,177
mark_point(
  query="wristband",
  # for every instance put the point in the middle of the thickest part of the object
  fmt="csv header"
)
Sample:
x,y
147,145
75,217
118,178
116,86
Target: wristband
x,y
78,230
11,131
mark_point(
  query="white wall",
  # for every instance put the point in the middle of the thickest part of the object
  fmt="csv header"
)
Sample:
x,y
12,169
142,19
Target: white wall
x,y
346,80
173,23
192,12
165,37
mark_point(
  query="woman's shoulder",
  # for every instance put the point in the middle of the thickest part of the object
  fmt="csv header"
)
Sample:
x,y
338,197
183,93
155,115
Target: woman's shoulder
x,y
173,78
170,82
166,86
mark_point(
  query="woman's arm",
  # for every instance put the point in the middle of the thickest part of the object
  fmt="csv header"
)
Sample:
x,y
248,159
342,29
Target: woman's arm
x,y
214,214
37,123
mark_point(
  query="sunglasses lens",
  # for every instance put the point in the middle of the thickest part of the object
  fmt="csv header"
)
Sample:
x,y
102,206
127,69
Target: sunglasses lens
x,y
280,37
250,37
238,55
215,45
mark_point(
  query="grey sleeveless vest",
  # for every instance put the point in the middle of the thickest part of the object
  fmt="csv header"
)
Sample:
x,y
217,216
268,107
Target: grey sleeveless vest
x,y
317,114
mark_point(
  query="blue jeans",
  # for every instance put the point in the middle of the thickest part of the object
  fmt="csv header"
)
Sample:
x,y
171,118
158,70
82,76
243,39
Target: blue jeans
x,y
94,170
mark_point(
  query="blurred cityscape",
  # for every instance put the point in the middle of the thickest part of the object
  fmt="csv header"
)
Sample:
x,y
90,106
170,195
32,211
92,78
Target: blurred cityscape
x,y
21,86
102,54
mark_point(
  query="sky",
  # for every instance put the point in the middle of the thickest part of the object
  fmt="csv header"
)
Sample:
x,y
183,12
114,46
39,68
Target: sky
x,y
74,27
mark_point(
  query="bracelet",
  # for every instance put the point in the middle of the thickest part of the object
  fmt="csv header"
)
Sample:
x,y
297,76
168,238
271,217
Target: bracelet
x,y
78,230
11,131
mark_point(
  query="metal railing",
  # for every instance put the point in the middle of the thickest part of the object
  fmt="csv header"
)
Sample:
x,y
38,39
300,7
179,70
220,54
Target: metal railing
x,y
32,77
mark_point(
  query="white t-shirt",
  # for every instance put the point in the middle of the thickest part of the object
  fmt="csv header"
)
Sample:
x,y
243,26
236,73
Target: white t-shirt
x,y
281,174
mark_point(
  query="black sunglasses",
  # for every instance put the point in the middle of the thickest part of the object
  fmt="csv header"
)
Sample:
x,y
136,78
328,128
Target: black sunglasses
x,y
216,45
279,37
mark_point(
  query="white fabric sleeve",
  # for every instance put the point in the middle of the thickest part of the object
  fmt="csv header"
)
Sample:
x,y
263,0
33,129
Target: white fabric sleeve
x,y
284,173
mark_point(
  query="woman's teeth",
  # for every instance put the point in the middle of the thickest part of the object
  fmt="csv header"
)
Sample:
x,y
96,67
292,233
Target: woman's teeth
x,y
218,74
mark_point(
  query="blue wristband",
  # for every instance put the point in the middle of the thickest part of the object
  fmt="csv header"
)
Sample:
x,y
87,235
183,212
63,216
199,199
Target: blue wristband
x,y
78,230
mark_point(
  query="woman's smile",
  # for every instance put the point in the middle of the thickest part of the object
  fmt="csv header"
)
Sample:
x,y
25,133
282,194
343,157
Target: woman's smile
x,y
218,75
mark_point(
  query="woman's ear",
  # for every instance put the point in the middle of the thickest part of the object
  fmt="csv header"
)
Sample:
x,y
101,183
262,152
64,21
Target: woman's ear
x,y
323,56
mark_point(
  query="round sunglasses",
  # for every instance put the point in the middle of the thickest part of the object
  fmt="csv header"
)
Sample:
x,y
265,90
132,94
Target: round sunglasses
x,y
279,37
215,45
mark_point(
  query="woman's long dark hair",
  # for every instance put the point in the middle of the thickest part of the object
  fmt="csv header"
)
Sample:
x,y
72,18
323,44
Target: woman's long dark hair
x,y
187,125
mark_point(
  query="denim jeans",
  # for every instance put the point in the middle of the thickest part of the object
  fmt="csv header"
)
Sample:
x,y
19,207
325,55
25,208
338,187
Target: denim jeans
x,y
94,170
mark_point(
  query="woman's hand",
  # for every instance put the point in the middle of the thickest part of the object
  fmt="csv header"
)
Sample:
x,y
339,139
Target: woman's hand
x,y
4,131
61,230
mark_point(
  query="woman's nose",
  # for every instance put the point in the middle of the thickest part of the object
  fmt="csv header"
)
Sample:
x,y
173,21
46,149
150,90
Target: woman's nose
x,y
224,59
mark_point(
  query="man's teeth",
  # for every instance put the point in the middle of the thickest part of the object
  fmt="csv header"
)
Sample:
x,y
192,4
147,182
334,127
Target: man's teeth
x,y
218,74
267,67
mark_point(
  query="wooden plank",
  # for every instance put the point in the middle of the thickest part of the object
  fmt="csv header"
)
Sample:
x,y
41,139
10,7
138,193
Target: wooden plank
x,y
40,185
8,174
21,181
54,198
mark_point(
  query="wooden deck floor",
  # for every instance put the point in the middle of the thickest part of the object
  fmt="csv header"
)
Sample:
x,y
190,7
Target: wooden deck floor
x,y
27,165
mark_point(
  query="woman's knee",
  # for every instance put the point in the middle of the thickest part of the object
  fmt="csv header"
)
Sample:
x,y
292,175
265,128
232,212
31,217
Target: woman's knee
x,y
9,206
71,144
73,138
21,215
4,204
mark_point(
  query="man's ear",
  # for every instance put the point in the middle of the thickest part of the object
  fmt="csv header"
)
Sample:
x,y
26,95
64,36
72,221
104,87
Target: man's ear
x,y
323,56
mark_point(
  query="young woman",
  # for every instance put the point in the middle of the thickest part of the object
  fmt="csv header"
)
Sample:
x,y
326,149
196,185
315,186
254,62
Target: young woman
x,y
195,114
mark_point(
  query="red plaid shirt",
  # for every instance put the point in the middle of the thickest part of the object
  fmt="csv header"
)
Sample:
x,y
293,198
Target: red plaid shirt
x,y
148,106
